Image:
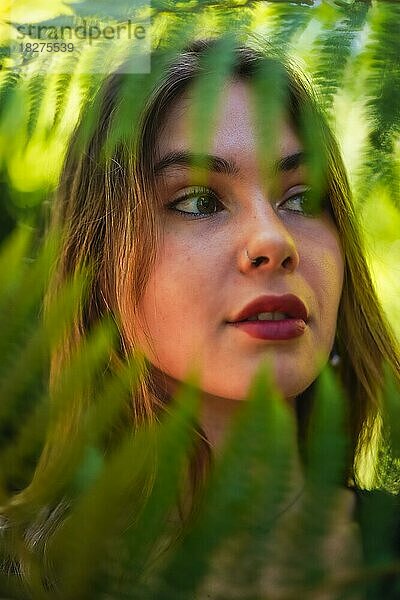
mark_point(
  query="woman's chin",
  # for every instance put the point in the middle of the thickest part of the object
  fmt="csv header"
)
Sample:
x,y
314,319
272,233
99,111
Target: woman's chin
x,y
287,382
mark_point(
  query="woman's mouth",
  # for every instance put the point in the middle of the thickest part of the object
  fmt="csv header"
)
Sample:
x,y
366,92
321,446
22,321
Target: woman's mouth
x,y
272,326
268,316
273,318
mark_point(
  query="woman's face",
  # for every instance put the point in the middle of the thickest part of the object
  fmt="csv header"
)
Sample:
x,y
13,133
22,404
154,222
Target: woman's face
x,y
207,305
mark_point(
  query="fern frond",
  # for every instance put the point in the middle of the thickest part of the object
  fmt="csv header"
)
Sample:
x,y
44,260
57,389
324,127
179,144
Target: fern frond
x,y
36,88
63,87
334,49
243,565
216,66
320,511
145,542
8,82
288,20
383,88
237,485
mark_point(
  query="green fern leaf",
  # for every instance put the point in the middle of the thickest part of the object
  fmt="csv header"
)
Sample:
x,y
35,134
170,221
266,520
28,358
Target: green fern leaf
x,y
8,81
236,485
334,49
36,88
289,19
383,88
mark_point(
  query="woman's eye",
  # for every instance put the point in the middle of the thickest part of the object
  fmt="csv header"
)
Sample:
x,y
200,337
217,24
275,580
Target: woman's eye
x,y
302,202
198,202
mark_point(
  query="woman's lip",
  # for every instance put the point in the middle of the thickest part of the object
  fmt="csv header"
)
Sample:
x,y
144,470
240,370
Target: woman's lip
x,y
284,329
289,304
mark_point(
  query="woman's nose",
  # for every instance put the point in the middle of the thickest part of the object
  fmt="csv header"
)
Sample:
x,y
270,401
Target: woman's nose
x,y
268,244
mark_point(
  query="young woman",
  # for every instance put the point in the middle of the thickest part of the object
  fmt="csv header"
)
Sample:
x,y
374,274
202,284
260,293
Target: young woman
x,y
215,257
185,258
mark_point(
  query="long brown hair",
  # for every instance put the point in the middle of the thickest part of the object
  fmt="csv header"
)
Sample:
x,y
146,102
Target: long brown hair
x,y
105,211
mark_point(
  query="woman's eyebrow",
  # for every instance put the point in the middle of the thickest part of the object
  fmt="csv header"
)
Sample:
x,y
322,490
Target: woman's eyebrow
x,y
192,159
291,162
218,164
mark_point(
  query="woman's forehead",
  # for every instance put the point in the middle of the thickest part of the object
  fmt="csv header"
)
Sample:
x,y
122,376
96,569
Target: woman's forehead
x,y
233,127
